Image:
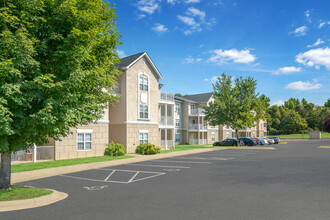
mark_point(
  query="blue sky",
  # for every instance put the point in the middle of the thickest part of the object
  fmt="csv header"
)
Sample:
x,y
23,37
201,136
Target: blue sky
x,y
284,45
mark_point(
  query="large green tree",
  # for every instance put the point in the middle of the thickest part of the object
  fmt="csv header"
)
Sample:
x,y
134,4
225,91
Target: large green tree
x,y
326,123
236,104
293,123
57,70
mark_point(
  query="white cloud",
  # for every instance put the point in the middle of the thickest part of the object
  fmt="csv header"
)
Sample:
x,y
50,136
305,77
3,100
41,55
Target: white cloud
x,y
196,12
192,1
148,6
318,42
213,79
278,103
300,31
160,28
193,25
237,56
121,53
192,60
308,16
303,86
322,24
287,70
315,57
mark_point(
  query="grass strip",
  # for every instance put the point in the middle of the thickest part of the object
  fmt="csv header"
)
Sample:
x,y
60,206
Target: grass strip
x,y
21,192
301,136
186,147
61,163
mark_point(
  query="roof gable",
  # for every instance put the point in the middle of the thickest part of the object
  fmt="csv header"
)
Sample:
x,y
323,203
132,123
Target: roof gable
x,y
127,62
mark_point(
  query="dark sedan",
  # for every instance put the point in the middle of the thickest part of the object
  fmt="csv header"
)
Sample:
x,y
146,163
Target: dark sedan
x,y
248,141
227,142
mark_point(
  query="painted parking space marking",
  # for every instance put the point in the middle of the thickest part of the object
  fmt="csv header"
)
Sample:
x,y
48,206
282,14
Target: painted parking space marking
x,y
147,165
117,176
94,187
172,161
207,158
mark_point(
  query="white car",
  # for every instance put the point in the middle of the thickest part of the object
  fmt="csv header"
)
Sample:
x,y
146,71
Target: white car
x,y
266,140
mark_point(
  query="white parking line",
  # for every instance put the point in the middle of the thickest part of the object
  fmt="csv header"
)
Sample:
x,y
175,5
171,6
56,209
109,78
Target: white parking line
x,y
109,175
172,161
146,165
81,178
208,158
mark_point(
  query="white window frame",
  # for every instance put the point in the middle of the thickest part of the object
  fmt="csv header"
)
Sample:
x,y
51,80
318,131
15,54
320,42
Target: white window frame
x,y
227,135
212,136
145,136
177,123
143,83
177,107
84,132
144,111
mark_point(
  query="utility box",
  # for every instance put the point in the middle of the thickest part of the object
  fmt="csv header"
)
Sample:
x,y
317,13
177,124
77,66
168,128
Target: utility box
x,y
315,134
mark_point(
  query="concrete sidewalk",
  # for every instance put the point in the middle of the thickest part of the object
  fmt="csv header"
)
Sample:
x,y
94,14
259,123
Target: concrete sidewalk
x,y
43,173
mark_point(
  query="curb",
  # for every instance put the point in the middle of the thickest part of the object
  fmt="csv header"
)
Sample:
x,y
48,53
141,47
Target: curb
x,y
56,196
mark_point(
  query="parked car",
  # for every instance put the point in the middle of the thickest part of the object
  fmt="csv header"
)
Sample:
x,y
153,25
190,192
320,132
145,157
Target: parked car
x,y
265,140
248,141
227,142
261,141
276,139
271,141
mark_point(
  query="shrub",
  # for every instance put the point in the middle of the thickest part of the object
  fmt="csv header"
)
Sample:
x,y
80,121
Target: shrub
x,y
147,149
114,149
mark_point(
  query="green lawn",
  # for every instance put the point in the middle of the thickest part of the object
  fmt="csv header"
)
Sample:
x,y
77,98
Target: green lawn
x,y
20,193
186,147
298,136
61,163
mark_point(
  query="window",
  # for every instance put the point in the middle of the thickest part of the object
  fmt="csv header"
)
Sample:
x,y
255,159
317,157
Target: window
x,y
233,134
177,123
213,136
177,138
262,134
254,134
227,135
192,106
177,107
143,137
84,141
144,111
143,83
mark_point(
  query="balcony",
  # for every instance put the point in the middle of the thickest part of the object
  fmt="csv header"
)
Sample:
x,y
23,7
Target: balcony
x,y
196,127
166,121
197,111
166,97
195,141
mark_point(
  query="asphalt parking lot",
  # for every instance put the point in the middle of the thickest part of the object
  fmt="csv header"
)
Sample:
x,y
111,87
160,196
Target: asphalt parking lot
x,y
291,182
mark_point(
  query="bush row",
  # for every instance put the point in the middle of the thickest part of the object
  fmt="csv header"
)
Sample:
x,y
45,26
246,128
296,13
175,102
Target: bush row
x,y
114,149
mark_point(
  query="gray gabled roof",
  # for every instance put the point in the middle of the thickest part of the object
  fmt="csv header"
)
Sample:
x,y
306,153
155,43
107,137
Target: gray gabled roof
x,y
127,62
200,98
179,98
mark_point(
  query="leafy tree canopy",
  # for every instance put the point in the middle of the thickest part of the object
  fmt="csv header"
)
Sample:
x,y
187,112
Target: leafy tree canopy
x,y
57,67
236,104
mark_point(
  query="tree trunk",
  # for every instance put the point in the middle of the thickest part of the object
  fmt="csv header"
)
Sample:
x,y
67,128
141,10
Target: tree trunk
x,y
5,171
236,131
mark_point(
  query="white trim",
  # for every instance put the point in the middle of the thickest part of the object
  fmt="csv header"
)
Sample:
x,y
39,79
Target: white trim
x,y
84,130
139,95
150,61
143,131
140,123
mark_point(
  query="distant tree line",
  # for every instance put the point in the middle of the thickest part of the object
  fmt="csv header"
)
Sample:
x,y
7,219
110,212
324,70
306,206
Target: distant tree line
x,y
296,117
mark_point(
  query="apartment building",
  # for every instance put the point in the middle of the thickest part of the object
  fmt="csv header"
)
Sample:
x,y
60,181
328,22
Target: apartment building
x,y
145,114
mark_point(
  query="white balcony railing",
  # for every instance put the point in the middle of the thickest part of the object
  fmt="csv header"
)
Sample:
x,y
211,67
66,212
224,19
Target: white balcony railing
x,y
197,111
167,97
195,141
166,120
197,127
166,143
